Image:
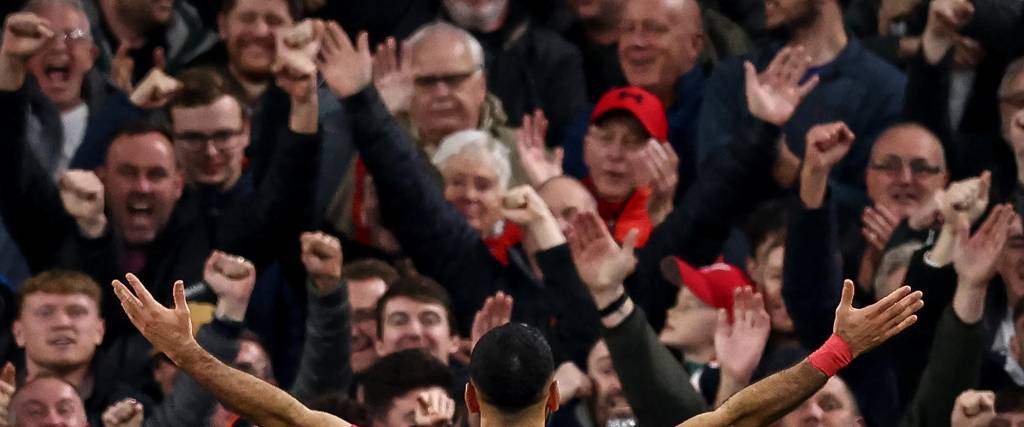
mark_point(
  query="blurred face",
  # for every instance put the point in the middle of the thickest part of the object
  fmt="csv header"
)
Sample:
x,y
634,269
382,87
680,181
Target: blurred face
x,y
164,373
413,324
596,10
449,87
477,15
403,409
606,152
48,402
766,271
609,401
1011,102
142,185
1011,264
61,66
150,13
210,142
566,198
832,406
906,167
690,323
659,41
1008,419
471,185
363,296
248,34
789,14
252,358
59,332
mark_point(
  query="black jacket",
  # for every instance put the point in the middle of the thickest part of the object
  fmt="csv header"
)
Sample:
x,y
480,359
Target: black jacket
x,y
444,247
253,225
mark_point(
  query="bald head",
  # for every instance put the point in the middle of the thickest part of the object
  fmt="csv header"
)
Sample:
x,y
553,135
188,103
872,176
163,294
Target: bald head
x,y
907,166
566,197
47,401
449,87
660,41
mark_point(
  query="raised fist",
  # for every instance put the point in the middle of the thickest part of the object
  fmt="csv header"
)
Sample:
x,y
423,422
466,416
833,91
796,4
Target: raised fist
x,y
434,409
969,196
81,192
295,65
322,257
522,205
827,144
25,34
973,408
156,90
125,413
232,278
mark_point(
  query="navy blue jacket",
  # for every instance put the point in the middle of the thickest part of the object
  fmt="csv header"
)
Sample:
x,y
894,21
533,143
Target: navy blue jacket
x,y
858,88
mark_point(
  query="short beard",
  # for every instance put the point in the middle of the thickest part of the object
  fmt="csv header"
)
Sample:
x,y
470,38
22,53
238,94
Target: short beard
x,y
804,19
469,18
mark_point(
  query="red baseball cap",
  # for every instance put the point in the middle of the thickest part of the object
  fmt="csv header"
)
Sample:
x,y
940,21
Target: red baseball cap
x,y
713,284
640,103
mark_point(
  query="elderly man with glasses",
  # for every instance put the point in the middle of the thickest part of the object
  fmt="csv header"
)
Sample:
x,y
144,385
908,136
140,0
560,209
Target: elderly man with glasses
x,y
63,91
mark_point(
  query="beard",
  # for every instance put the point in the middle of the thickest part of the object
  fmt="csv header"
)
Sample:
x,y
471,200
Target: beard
x,y
481,19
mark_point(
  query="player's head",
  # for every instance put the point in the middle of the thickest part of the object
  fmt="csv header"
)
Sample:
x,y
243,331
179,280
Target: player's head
x,y
511,375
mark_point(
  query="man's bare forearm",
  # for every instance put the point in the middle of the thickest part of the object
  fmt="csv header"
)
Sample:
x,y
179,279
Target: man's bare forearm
x,y
250,397
766,401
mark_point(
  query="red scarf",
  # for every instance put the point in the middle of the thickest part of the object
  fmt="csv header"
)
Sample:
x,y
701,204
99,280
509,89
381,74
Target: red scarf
x,y
626,215
359,227
511,235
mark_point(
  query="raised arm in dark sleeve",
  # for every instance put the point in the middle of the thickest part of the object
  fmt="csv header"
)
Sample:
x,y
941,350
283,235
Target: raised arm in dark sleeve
x,y
953,366
812,280
29,200
655,383
259,224
431,231
325,366
577,324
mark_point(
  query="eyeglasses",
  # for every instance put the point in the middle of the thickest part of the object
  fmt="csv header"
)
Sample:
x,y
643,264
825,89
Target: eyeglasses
x,y
919,168
450,80
74,36
195,141
1015,100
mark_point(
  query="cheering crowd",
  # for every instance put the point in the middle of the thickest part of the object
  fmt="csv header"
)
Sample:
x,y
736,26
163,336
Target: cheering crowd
x,y
574,213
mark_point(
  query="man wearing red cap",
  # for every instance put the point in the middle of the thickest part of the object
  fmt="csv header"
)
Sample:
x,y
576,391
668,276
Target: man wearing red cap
x,y
632,171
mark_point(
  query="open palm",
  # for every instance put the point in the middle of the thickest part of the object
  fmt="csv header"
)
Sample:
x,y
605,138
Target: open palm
x,y
347,69
975,256
602,265
774,95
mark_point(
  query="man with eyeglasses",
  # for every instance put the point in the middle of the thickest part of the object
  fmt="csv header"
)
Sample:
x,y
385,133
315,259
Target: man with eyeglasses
x,y
447,93
157,225
211,130
64,91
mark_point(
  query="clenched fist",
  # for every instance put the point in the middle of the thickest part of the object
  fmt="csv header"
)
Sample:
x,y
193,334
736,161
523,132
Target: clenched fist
x,y
232,278
25,34
156,90
294,67
321,254
125,413
81,192
973,408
